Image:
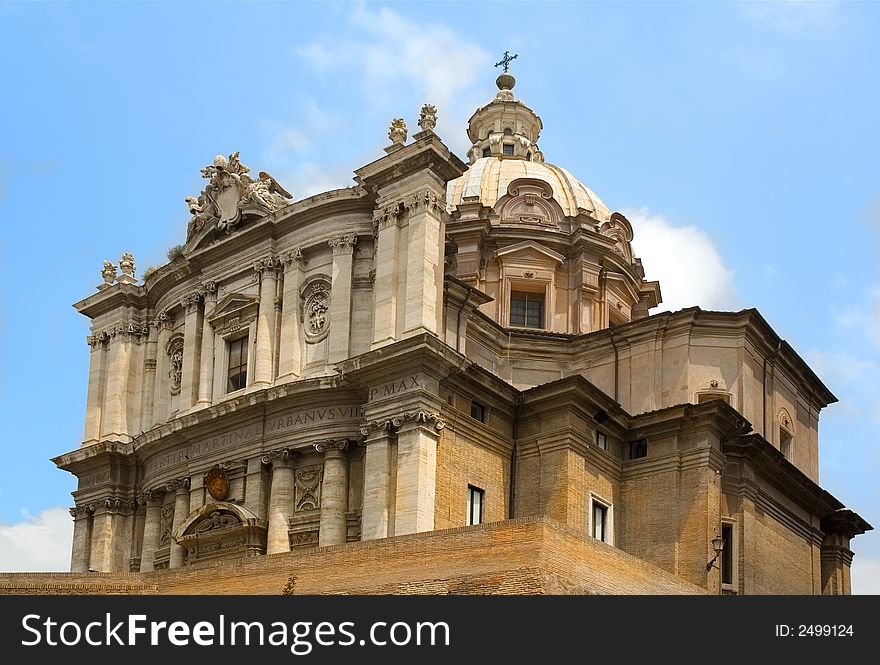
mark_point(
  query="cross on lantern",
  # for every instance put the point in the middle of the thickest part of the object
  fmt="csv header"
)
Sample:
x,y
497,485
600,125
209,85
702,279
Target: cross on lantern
x,y
506,60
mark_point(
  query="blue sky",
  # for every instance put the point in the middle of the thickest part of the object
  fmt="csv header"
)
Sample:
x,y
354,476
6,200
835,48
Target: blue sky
x,y
740,138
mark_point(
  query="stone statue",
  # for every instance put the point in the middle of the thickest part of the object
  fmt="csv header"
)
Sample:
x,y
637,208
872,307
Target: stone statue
x,y
126,264
108,273
397,131
428,118
265,192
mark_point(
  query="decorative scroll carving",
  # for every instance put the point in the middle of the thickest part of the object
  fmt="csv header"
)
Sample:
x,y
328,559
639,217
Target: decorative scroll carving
x,y
315,313
428,118
392,424
175,373
176,484
281,454
620,231
308,481
397,131
82,511
216,520
331,444
425,200
303,539
296,257
166,522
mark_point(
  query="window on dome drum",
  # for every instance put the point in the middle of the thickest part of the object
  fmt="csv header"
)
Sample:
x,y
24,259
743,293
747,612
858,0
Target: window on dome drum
x,y
238,360
508,131
508,148
638,449
727,554
600,528
478,412
526,309
474,505
601,440
785,442
487,152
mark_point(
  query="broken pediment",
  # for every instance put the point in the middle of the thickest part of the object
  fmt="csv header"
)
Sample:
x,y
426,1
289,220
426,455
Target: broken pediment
x,y
234,311
620,230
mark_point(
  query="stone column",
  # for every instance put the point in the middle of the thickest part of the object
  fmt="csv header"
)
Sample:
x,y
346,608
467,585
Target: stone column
x,y
148,390
281,500
206,355
192,333
334,493
82,538
385,289
290,351
101,558
424,258
377,484
114,415
152,528
180,487
255,488
164,323
95,398
416,473
263,363
340,297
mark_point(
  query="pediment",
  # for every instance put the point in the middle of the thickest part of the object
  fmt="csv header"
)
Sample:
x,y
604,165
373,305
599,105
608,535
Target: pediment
x,y
531,251
234,310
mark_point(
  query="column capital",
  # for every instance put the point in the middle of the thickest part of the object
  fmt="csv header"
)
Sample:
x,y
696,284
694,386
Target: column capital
x,y
178,485
331,446
270,264
190,302
424,200
280,457
296,257
343,244
423,418
151,497
81,511
386,215
164,320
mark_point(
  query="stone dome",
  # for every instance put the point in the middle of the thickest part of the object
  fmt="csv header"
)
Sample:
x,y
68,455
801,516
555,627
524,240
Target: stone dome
x,y
487,180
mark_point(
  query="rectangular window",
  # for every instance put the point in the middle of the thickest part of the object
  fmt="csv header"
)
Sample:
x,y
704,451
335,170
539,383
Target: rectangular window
x,y
478,412
487,152
508,148
601,440
600,522
526,309
474,505
238,360
727,554
638,449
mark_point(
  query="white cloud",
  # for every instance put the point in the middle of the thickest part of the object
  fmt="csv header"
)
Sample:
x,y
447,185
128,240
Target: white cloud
x,y
395,54
41,543
309,125
862,318
793,16
685,261
866,576
309,178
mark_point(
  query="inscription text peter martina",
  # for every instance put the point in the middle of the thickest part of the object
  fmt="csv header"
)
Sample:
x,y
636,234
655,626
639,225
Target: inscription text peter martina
x,y
277,424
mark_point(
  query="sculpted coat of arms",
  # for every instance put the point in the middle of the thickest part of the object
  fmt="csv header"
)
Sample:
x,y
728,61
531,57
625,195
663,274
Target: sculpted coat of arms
x,y
228,191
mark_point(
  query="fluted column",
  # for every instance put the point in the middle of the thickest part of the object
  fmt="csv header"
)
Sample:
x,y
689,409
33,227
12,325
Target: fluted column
x,y
263,362
290,350
340,297
385,289
206,356
377,484
180,487
161,393
334,493
281,500
152,529
82,538
97,380
192,333
416,472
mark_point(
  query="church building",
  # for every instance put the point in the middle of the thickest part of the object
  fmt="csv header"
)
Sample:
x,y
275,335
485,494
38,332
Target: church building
x,y
445,379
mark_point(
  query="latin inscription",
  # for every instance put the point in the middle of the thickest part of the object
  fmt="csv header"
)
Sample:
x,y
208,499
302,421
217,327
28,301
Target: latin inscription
x,y
94,478
313,417
396,387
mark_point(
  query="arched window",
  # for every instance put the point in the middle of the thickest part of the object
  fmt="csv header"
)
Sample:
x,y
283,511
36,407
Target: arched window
x,y
786,435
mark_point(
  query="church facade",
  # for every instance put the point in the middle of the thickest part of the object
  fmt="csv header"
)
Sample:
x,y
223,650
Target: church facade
x,y
445,348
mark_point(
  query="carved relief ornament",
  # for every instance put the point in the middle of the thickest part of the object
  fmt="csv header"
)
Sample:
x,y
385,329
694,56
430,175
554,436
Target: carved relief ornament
x,y
315,308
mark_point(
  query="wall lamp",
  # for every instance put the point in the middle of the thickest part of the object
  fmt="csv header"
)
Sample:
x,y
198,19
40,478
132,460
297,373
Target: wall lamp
x,y
718,545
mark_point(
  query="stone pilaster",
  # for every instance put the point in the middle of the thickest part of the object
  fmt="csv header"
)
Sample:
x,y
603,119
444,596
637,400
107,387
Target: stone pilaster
x,y
340,301
206,356
138,520
192,333
152,528
82,538
180,487
334,493
114,415
416,472
97,382
256,489
281,500
290,349
385,289
377,484
103,531
424,268
148,394
263,362
196,492
161,392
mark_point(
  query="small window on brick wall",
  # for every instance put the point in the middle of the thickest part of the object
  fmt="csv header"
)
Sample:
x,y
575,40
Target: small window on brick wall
x,y
600,520
478,412
638,449
474,505
601,440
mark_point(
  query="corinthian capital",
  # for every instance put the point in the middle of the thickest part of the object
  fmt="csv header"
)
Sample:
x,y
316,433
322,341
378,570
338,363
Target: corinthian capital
x,y
343,244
